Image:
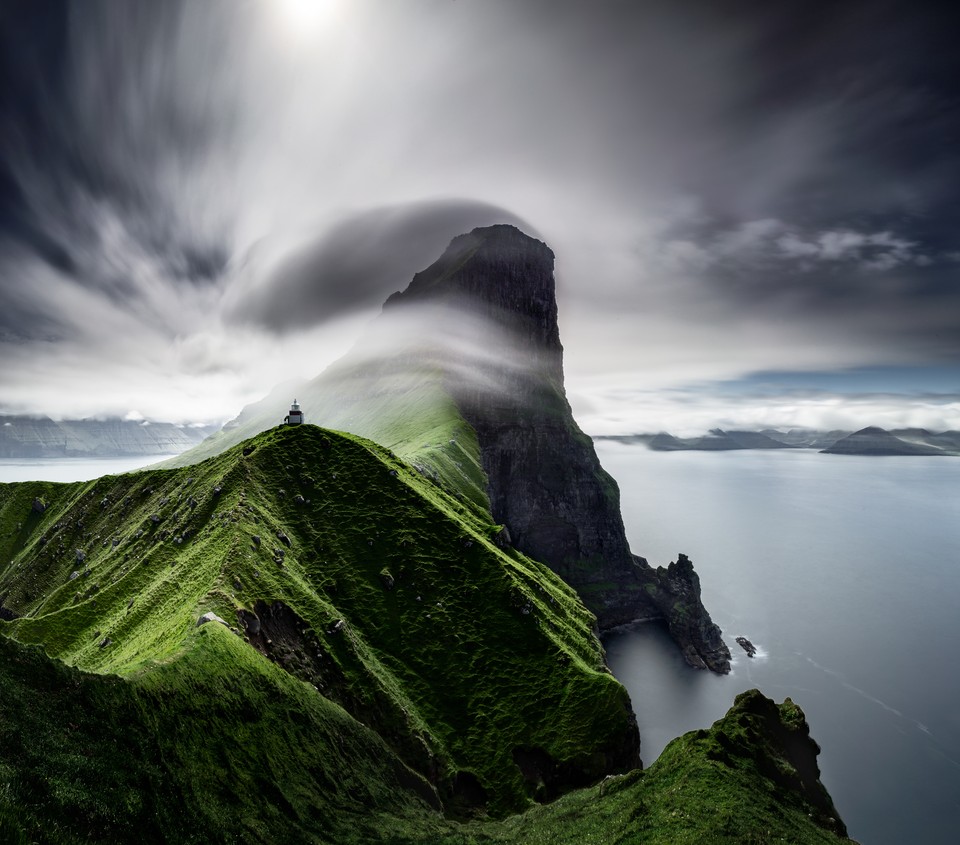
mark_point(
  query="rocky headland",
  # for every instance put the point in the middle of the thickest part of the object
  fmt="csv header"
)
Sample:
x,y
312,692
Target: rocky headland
x,y
468,387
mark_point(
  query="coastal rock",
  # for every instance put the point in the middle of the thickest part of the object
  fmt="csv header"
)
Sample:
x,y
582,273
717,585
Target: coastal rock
x,y
747,646
544,480
675,591
774,741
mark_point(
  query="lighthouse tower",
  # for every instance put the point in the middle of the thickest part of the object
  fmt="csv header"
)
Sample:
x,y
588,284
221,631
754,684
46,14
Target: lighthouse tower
x,y
295,417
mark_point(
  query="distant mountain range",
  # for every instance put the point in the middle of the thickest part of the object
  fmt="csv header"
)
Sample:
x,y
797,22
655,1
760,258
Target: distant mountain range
x,y
41,437
866,441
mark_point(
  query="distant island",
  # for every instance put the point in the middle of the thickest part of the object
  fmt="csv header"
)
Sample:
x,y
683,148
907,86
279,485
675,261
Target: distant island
x,y
40,438
866,441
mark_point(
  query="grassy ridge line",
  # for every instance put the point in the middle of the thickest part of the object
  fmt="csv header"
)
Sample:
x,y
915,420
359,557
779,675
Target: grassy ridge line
x,y
396,402
471,653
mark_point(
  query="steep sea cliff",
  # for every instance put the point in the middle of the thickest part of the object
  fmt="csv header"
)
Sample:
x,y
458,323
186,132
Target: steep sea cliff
x,y
308,636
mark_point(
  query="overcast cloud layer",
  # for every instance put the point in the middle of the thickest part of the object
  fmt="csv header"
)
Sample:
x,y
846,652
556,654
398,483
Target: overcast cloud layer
x,y
201,199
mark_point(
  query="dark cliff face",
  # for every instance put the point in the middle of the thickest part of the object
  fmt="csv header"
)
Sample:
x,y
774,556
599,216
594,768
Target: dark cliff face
x,y
545,482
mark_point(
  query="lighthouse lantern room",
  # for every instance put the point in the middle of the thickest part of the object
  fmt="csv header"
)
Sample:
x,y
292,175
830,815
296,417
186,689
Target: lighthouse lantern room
x,y
295,417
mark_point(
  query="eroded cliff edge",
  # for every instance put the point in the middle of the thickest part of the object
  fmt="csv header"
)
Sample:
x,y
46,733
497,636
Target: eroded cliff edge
x,y
544,480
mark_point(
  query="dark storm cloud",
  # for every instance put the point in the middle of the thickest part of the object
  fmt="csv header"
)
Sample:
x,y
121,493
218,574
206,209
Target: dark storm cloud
x,y
727,186
91,131
361,260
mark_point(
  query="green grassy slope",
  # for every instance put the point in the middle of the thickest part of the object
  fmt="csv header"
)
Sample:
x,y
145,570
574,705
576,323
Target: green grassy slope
x,y
387,672
212,746
395,601
227,755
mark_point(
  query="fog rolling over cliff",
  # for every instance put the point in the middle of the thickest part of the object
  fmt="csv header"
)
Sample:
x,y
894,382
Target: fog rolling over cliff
x,y
462,377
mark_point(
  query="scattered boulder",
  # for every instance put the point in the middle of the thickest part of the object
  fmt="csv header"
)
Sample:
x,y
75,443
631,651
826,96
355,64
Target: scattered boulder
x,y
81,556
154,518
299,499
256,539
387,579
336,627
283,538
210,616
105,642
38,506
74,575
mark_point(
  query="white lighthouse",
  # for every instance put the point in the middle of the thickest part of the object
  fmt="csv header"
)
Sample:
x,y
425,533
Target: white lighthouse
x,y
295,417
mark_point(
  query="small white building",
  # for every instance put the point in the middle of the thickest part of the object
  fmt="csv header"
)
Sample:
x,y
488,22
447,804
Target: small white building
x,y
295,417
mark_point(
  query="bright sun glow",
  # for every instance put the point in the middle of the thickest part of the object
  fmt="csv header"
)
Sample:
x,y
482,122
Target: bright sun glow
x,y
304,16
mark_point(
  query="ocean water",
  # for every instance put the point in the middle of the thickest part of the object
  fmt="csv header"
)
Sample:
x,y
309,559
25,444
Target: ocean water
x,y
71,469
845,572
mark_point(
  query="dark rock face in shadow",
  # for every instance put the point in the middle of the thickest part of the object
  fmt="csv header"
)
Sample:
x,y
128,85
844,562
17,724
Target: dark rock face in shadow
x,y
545,482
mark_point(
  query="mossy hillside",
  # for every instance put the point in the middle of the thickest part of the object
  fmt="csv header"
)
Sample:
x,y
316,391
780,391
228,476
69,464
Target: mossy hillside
x,y
396,401
219,745
473,653
216,745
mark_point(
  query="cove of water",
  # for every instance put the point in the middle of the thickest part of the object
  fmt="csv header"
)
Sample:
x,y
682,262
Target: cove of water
x,y
844,571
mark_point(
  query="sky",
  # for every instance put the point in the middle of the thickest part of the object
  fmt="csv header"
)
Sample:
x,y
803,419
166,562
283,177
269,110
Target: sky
x,y
753,205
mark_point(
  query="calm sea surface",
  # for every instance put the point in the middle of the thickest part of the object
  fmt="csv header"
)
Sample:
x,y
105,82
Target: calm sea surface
x,y
845,572
71,469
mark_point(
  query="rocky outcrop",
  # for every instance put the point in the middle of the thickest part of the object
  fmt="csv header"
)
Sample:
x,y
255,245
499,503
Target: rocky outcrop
x,y
544,480
774,741
675,591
